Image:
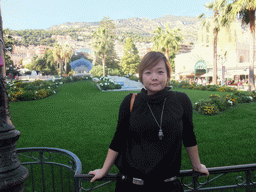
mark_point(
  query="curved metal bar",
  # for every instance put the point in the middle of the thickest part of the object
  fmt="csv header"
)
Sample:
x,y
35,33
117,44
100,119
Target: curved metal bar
x,y
78,169
243,181
98,186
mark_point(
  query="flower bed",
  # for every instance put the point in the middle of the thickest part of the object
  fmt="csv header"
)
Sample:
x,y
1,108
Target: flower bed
x,y
216,103
106,83
186,85
27,91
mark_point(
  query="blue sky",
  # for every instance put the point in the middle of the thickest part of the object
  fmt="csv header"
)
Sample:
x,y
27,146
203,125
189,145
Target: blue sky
x,y
35,14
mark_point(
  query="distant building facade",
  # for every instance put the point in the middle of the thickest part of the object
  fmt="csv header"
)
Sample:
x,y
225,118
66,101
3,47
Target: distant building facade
x,y
233,53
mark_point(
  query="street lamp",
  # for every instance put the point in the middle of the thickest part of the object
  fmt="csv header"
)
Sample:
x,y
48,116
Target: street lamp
x,y
12,174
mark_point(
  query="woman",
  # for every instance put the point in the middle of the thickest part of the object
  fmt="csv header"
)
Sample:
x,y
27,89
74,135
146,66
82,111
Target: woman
x,y
148,140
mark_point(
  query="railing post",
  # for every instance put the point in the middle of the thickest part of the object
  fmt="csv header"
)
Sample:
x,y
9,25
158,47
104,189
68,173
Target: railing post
x,y
248,180
12,174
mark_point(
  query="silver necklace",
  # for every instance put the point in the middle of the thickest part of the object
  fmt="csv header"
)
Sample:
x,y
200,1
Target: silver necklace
x,y
160,134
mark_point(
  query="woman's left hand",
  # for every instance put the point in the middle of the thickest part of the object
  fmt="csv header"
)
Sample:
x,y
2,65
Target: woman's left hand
x,y
204,170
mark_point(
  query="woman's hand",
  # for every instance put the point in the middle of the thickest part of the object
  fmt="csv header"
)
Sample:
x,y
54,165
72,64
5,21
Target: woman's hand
x,y
203,170
98,174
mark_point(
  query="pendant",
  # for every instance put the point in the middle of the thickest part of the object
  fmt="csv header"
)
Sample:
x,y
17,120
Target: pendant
x,y
161,135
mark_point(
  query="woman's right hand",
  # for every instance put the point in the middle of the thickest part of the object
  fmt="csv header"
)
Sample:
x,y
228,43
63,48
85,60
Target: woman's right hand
x,y
98,174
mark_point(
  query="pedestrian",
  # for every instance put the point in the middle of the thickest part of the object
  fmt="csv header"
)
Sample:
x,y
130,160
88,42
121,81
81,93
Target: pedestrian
x,y
10,75
146,147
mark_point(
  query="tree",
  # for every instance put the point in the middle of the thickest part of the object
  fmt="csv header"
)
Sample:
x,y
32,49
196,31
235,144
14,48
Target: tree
x,y
102,44
108,24
130,61
9,42
245,9
215,21
167,41
57,56
50,65
66,53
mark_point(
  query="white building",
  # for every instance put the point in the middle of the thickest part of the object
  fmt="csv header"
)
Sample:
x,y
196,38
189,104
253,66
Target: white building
x,y
236,61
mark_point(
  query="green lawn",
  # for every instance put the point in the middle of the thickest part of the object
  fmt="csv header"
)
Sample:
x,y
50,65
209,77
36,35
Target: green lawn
x,y
82,119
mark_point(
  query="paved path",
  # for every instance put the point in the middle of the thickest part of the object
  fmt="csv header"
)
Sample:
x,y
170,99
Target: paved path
x,y
128,85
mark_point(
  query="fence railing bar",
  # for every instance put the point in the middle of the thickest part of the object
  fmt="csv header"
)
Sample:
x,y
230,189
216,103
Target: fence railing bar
x,y
69,184
209,181
27,156
98,186
223,187
248,180
61,178
53,183
50,163
32,174
42,168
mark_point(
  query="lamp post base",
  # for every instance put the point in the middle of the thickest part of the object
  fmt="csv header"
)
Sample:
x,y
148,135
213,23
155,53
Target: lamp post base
x,y
14,180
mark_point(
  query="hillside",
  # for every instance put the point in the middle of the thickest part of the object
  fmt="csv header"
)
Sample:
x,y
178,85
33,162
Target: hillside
x,y
141,26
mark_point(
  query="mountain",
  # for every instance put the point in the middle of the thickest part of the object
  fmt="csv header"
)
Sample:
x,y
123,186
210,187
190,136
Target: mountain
x,y
142,26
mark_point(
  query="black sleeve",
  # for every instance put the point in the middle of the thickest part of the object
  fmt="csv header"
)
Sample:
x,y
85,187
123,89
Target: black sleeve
x,y
123,123
188,135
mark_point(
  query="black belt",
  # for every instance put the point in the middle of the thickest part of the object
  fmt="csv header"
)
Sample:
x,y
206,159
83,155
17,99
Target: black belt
x,y
138,181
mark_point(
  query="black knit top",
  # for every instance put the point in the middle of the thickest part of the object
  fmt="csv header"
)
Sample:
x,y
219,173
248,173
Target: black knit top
x,y
136,136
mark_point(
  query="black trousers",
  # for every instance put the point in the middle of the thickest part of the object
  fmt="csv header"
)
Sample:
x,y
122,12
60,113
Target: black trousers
x,y
159,186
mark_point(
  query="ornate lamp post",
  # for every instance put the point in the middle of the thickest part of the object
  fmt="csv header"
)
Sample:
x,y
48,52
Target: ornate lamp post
x,y
12,174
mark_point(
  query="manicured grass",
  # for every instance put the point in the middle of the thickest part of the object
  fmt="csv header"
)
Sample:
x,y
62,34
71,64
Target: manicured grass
x,y
83,120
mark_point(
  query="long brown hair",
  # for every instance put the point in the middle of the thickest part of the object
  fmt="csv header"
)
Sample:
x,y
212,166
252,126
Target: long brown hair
x,y
150,60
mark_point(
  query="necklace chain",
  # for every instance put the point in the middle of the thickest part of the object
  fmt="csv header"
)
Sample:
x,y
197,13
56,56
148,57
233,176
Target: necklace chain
x,y
160,134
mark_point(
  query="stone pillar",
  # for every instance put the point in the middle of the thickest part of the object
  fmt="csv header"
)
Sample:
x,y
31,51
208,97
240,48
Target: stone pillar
x,y
12,174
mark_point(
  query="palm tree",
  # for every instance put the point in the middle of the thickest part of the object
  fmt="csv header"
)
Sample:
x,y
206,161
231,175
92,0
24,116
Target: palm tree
x,y
66,53
215,21
57,56
102,42
245,9
166,41
50,60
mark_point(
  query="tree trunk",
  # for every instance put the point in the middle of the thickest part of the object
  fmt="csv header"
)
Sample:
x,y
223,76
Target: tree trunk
x,y
103,63
214,78
252,51
60,68
167,54
66,67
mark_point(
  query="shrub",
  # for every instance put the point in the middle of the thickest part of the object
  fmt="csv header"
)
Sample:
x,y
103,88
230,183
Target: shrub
x,y
208,109
19,91
26,96
134,78
106,83
214,96
198,87
220,102
16,95
253,95
18,84
232,99
221,89
212,87
41,94
114,72
174,83
202,102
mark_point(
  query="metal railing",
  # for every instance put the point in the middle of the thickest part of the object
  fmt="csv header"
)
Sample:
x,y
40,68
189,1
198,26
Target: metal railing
x,y
228,178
